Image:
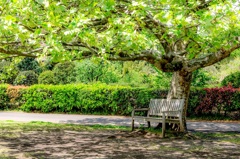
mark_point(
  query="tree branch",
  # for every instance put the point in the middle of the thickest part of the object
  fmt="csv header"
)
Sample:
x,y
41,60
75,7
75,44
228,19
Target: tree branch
x,y
2,58
27,54
10,43
94,50
210,59
146,55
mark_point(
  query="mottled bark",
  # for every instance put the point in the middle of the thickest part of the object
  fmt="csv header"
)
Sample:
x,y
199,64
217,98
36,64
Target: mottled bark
x,y
180,89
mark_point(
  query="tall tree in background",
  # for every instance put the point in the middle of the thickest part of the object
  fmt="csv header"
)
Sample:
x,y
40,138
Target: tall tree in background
x,y
177,36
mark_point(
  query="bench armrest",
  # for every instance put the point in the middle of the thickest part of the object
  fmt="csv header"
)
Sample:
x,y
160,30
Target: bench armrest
x,y
141,109
138,109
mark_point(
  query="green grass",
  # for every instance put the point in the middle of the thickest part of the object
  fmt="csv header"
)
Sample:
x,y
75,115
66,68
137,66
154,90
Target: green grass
x,y
233,137
38,125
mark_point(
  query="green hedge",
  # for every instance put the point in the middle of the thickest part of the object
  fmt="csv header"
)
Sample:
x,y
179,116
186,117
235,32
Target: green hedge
x,y
94,99
195,98
11,97
4,99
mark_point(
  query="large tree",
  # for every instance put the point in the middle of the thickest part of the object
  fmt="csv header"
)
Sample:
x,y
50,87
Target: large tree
x,y
177,36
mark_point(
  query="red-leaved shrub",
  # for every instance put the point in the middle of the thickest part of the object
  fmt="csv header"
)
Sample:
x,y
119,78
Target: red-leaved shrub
x,y
217,100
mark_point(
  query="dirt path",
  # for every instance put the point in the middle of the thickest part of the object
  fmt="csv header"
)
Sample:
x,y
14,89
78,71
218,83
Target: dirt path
x,y
60,144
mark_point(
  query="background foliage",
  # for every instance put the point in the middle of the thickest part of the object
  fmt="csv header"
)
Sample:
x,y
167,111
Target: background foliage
x,y
46,77
64,73
26,78
95,70
8,71
29,63
232,79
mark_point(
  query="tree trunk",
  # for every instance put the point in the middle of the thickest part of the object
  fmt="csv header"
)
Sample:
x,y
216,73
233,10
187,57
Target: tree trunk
x,y
180,89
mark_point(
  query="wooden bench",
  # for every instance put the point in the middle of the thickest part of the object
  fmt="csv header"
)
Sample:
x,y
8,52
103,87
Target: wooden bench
x,y
162,111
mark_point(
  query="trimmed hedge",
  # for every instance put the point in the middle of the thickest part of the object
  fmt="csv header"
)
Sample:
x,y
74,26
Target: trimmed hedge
x,y
96,99
11,97
4,99
103,99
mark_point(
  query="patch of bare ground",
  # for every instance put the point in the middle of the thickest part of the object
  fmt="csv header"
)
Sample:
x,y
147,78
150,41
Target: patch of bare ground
x,y
102,144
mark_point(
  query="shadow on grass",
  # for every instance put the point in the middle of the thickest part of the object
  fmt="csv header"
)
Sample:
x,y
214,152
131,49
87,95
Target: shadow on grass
x,y
55,143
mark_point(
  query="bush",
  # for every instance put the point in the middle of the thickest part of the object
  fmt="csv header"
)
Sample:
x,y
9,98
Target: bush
x,y
219,99
29,63
232,79
26,78
46,77
64,73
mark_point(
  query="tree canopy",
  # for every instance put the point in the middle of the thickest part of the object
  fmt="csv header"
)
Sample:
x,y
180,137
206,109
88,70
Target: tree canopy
x,y
171,34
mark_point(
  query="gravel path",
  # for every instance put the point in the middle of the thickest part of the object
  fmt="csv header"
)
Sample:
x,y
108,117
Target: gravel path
x,y
111,120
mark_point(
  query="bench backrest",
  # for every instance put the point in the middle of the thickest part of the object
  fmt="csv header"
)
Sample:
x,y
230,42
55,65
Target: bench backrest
x,y
156,106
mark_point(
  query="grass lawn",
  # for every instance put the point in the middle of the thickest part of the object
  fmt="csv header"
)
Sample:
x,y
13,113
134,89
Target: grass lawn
x,y
49,140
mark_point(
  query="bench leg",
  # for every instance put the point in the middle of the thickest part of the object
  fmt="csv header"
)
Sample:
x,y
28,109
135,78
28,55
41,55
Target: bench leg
x,y
132,124
149,124
163,126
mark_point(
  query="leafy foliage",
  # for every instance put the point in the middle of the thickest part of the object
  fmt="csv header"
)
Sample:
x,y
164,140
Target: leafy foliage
x,y
46,64
200,78
101,99
14,94
93,70
64,73
8,72
162,79
26,78
232,79
195,99
4,99
135,74
139,30
29,63
219,99
46,77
